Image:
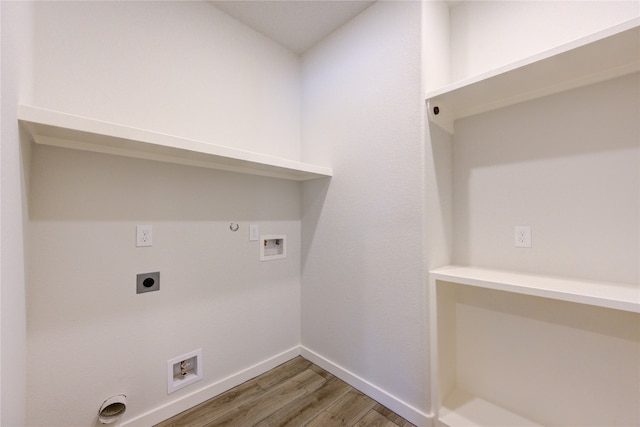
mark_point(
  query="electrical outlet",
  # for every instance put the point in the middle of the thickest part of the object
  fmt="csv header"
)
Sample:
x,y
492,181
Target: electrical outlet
x,y
522,236
144,235
147,282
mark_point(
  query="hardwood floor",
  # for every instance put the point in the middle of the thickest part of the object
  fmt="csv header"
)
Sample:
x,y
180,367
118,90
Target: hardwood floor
x,y
296,393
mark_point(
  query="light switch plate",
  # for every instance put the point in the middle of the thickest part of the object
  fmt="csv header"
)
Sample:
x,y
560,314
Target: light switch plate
x,y
254,233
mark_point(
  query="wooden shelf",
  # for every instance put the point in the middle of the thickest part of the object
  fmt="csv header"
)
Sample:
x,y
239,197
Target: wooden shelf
x,y
600,56
70,131
618,296
462,409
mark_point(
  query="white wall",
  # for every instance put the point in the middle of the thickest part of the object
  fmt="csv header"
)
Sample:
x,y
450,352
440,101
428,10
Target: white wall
x,y
488,34
90,334
554,362
567,165
363,307
182,68
16,66
435,44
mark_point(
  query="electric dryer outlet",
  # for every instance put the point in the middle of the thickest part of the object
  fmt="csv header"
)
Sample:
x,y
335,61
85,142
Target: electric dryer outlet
x,y
147,282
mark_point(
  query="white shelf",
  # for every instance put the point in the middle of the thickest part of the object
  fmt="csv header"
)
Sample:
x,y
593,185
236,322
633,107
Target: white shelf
x,y
70,131
600,56
462,409
618,296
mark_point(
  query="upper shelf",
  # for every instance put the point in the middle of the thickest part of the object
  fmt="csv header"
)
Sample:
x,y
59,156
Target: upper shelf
x,y
600,56
602,294
70,131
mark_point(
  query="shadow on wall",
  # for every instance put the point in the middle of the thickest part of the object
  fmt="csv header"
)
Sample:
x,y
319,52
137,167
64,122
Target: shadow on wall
x,y
566,165
72,185
438,198
594,119
84,208
314,193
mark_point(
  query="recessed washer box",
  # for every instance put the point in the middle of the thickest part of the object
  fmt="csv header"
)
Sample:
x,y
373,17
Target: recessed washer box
x,y
273,246
184,370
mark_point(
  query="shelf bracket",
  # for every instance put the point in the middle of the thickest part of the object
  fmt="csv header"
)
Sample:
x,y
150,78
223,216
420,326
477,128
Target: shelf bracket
x,y
440,115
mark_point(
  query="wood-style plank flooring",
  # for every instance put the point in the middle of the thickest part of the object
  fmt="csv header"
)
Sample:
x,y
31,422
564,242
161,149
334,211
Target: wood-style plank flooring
x,y
296,393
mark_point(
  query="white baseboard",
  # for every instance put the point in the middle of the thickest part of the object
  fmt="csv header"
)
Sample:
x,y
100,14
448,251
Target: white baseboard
x,y
411,414
170,409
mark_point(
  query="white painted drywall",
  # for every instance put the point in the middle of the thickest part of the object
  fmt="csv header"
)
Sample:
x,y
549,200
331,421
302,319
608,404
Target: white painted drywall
x,y
363,303
488,34
175,67
182,68
566,165
556,363
435,44
91,334
16,66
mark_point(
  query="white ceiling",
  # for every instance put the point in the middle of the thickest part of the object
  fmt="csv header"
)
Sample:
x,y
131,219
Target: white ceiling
x,y
295,24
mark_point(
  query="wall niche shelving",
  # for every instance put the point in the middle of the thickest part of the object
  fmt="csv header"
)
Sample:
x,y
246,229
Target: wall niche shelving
x,y
507,357
512,348
606,54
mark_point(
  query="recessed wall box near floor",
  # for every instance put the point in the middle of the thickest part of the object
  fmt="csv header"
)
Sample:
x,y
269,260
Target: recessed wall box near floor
x,y
184,370
273,246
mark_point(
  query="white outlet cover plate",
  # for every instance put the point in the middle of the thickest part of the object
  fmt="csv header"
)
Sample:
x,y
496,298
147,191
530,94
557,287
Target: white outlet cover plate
x,y
522,236
144,235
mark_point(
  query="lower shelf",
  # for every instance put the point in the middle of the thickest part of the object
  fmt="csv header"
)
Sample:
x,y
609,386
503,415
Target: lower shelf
x,y
464,409
619,296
